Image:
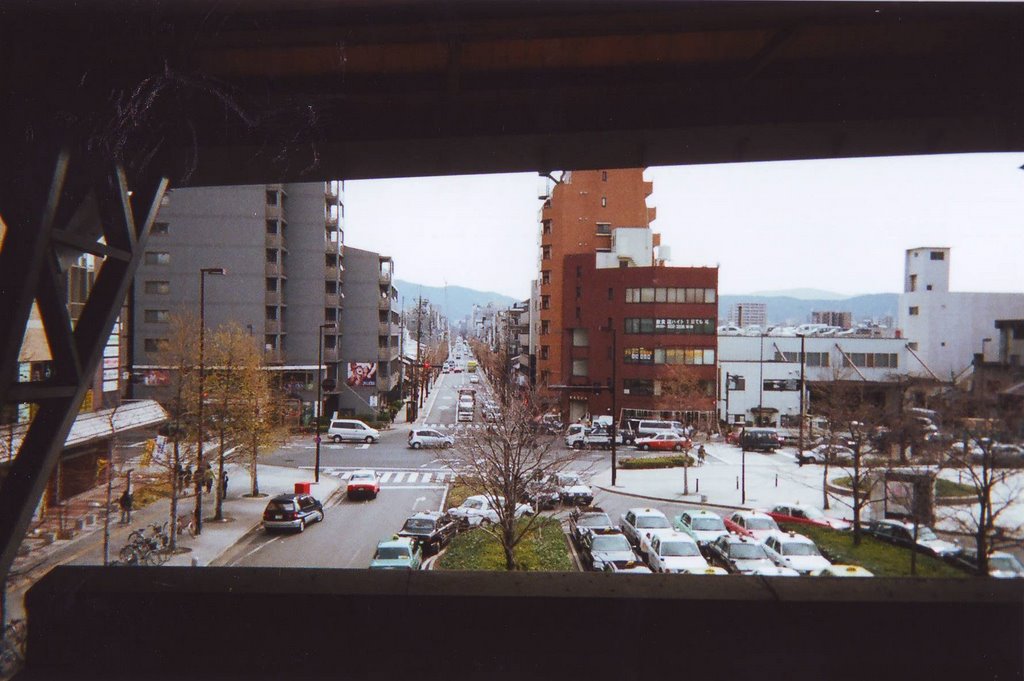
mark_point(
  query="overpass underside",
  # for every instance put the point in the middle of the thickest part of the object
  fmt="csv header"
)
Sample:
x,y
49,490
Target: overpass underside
x,y
107,105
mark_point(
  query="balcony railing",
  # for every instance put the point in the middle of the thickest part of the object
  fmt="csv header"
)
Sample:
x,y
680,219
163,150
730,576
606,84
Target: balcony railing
x,y
274,212
272,326
273,298
332,300
387,354
330,354
332,272
274,269
274,240
332,222
331,247
384,278
273,357
330,194
384,303
386,329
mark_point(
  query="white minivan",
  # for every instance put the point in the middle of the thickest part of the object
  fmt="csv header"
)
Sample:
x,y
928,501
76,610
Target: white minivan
x,y
352,430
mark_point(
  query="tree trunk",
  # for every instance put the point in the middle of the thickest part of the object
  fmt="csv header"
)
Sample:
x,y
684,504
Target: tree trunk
x,y
252,467
686,478
824,485
507,538
220,477
106,516
174,497
856,495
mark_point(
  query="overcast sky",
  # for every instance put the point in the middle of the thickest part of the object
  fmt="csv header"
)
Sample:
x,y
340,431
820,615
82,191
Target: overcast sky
x,y
839,225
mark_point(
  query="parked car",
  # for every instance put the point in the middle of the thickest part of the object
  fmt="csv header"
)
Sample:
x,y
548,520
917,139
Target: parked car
x,y
670,442
426,437
733,437
572,490
752,524
398,553
638,522
292,512
838,570
795,551
1001,565
542,494
760,439
363,483
474,378
806,514
624,567
431,529
833,454
481,509
352,430
739,555
603,546
703,526
674,552
582,522
902,534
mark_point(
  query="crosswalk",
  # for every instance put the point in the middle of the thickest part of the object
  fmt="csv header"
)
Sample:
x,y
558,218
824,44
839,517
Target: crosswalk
x,y
399,478
454,427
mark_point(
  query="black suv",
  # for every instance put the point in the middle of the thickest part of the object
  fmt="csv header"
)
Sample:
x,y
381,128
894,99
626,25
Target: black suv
x,y
431,529
292,512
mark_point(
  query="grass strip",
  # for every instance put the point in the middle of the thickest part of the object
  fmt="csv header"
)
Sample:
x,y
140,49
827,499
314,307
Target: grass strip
x,y
543,550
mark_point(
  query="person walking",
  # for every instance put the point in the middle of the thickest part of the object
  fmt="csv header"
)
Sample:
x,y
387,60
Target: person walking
x,y
125,502
208,478
702,455
224,485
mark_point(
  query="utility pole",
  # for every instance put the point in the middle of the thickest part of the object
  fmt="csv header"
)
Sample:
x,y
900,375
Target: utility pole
x,y
615,414
418,396
803,363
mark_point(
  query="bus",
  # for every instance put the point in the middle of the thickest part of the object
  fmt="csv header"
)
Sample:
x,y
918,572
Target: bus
x,y
471,366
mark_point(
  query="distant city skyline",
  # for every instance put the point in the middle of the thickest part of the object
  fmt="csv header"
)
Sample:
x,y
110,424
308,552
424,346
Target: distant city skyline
x,y
761,223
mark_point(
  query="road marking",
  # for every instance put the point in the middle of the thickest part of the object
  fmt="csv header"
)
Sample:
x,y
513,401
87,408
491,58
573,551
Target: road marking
x,y
363,446
267,543
386,477
417,502
412,486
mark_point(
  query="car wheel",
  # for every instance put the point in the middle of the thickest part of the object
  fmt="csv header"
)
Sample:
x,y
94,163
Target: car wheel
x,y
677,448
321,517
337,439
374,495
368,440
447,445
577,445
302,525
484,522
644,448
416,445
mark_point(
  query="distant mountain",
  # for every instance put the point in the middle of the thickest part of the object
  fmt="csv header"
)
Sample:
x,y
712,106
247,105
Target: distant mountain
x,y
456,301
802,294
791,310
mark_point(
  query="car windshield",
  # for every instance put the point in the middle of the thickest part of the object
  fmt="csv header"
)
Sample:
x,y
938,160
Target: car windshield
x,y
600,520
926,534
611,542
280,506
569,480
392,553
652,522
812,513
746,551
418,524
679,548
708,524
760,524
1005,563
362,476
799,549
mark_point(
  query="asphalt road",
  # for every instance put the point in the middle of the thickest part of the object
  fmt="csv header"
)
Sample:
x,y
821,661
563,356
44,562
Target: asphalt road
x,y
347,537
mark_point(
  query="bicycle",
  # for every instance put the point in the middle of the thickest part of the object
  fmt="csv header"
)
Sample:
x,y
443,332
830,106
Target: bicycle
x,y
187,523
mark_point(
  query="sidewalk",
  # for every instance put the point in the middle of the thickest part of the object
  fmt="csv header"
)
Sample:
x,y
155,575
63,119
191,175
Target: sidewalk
x,y
242,516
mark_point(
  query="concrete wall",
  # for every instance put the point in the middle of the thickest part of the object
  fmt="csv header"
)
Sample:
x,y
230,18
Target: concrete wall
x,y
262,623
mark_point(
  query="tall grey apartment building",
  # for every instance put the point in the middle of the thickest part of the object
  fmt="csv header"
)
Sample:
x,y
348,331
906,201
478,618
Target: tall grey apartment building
x,y
282,246
371,317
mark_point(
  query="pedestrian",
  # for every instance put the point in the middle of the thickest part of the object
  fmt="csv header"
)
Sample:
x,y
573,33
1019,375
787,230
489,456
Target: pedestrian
x,y
224,485
125,502
702,455
208,478
188,478
180,473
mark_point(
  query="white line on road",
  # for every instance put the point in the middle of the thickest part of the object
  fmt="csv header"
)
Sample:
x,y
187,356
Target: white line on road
x,y
412,486
386,477
417,502
266,543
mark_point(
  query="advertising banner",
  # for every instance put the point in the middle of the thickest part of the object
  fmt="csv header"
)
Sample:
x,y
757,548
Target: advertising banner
x,y
362,374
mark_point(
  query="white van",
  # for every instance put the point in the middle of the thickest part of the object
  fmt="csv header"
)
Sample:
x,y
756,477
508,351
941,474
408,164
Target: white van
x,y
352,430
647,428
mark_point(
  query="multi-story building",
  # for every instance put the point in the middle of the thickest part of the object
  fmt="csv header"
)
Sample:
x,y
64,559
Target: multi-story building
x,y
372,370
577,217
748,314
613,316
843,320
282,246
947,328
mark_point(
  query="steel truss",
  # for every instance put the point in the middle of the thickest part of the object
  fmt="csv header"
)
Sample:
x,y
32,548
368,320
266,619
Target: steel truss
x,y
53,216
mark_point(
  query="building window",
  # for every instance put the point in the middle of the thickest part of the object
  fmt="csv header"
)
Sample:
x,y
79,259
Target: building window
x,y
938,255
272,198
671,325
780,385
159,288
611,293
928,287
579,271
577,312
734,383
545,302
331,287
271,312
623,264
271,285
604,175
913,283
160,228
580,338
579,367
158,258
545,277
330,314
543,352
330,342
546,226
270,343
545,252
271,255
604,202
155,344
869,360
271,226
914,311
579,292
689,356
545,327
156,316
640,387
912,346
604,228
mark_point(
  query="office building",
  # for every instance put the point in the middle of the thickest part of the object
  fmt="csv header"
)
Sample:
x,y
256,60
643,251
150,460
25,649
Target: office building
x,y
748,314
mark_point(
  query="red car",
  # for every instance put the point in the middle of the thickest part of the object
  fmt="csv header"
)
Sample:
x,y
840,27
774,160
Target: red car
x,y
363,483
733,437
806,515
664,442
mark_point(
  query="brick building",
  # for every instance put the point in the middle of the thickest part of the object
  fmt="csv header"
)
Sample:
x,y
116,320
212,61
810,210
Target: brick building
x,y
603,268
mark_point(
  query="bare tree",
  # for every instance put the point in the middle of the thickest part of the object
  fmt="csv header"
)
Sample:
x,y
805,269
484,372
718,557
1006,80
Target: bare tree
x,y
502,460
258,420
680,391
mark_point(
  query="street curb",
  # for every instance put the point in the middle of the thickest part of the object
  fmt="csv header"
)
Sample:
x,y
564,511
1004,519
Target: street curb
x,y
673,501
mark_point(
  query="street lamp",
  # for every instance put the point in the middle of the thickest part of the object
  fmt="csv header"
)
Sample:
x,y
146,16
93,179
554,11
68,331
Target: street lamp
x,y
614,426
319,390
200,468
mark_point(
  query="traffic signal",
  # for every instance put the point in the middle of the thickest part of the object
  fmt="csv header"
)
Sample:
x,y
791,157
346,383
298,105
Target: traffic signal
x,y
426,365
